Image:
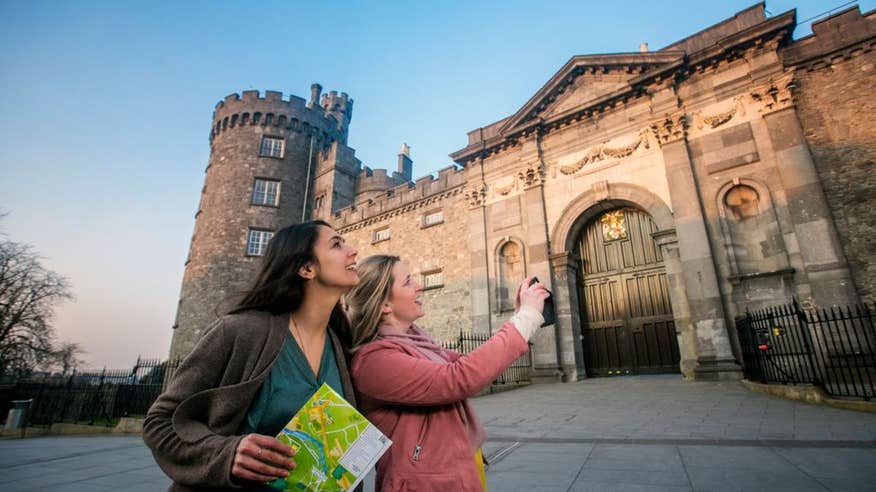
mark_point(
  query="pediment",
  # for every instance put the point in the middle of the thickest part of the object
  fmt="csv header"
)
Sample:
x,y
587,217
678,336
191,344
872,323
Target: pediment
x,y
585,79
584,89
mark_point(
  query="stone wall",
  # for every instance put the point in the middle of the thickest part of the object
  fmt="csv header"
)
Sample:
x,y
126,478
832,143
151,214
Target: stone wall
x,y
423,248
836,73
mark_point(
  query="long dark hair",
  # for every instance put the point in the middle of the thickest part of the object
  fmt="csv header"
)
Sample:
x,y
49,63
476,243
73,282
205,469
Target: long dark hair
x,y
277,288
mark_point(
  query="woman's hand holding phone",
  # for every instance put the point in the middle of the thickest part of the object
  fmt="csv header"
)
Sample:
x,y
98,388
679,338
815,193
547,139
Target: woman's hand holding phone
x,y
531,293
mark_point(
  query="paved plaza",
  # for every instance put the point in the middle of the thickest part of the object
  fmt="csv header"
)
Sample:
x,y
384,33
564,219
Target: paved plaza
x,y
643,433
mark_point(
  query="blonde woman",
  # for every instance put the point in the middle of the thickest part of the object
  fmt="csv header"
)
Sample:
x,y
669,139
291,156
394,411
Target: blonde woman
x,y
415,391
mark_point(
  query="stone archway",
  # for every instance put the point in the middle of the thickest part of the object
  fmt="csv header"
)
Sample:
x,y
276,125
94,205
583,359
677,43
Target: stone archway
x,y
589,204
565,265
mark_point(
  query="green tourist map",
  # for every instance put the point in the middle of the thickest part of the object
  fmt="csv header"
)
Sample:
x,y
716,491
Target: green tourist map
x,y
335,446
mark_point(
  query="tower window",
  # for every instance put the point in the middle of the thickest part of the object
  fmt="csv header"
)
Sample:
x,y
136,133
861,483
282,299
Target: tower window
x,y
381,235
266,192
433,280
318,202
433,218
272,147
257,242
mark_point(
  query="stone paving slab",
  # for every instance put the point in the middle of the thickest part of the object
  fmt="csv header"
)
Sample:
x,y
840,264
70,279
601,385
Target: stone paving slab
x,y
624,434
631,467
79,464
664,407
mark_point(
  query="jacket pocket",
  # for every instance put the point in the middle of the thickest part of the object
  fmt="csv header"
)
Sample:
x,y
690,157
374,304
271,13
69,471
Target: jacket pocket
x,y
421,438
426,482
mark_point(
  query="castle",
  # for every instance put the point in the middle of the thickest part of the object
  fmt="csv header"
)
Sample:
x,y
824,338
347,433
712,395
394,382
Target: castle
x,y
659,194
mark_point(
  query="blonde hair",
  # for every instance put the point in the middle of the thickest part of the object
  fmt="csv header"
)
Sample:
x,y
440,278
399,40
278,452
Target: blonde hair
x,y
365,301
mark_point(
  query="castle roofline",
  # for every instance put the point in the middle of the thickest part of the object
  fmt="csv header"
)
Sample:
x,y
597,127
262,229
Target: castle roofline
x,y
832,36
704,38
401,198
719,39
575,67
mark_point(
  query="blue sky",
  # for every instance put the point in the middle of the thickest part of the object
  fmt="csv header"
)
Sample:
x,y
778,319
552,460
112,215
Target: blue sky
x,y
106,110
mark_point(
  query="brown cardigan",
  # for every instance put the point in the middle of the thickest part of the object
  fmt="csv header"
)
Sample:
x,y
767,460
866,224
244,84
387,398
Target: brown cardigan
x,y
191,427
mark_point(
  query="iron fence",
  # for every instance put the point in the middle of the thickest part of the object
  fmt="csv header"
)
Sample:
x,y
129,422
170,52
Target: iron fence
x,y
834,348
92,397
519,372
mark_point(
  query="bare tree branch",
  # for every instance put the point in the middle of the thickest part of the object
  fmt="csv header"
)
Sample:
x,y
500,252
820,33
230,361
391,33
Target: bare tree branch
x,y
28,295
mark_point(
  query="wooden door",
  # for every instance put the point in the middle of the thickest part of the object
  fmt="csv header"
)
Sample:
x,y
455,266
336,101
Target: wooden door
x,y
626,319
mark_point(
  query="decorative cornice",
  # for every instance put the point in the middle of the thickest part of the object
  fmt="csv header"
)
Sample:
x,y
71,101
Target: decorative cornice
x,y
830,59
506,189
775,94
717,115
718,119
532,176
476,194
671,128
611,149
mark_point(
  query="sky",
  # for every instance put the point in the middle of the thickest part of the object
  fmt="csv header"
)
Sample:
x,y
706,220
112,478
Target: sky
x,y
105,111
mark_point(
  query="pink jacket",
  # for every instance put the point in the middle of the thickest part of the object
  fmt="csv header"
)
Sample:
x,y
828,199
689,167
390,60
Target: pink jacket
x,y
417,403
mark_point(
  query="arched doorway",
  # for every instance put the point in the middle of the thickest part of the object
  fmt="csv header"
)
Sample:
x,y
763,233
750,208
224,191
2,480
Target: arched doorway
x,y
627,325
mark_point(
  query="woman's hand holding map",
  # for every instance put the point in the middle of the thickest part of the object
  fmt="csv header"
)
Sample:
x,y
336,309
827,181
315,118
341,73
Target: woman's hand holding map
x,y
262,458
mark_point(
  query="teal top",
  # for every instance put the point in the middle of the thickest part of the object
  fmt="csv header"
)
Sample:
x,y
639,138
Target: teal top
x,y
288,386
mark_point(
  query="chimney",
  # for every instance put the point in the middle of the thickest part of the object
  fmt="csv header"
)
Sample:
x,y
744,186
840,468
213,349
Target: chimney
x,y
315,92
643,47
405,164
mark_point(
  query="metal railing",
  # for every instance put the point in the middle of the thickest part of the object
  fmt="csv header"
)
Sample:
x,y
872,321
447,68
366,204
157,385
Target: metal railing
x,y
834,348
89,397
104,396
519,372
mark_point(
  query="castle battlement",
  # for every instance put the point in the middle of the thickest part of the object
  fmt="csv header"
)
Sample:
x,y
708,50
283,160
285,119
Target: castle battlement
x,y
340,106
334,100
838,37
379,180
294,101
249,108
401,198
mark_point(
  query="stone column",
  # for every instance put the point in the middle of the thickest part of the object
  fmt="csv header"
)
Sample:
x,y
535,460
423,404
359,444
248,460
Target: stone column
x,y
685,330
714,356
480,289
825,266
547,351
565,294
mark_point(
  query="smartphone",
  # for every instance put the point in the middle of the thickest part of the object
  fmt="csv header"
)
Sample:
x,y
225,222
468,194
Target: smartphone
x,y
548,313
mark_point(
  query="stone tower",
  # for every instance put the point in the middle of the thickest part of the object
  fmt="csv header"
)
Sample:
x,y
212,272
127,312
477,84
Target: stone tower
x,y
266,155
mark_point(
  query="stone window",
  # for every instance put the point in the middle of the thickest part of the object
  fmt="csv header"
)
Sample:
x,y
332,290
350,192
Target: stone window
x,y
742,201
381,235
318,202
511,273
257,242
433,279
266,192
433,218
272,147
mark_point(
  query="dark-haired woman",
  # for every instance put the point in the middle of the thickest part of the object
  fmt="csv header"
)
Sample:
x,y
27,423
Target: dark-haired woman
x,y
214,425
